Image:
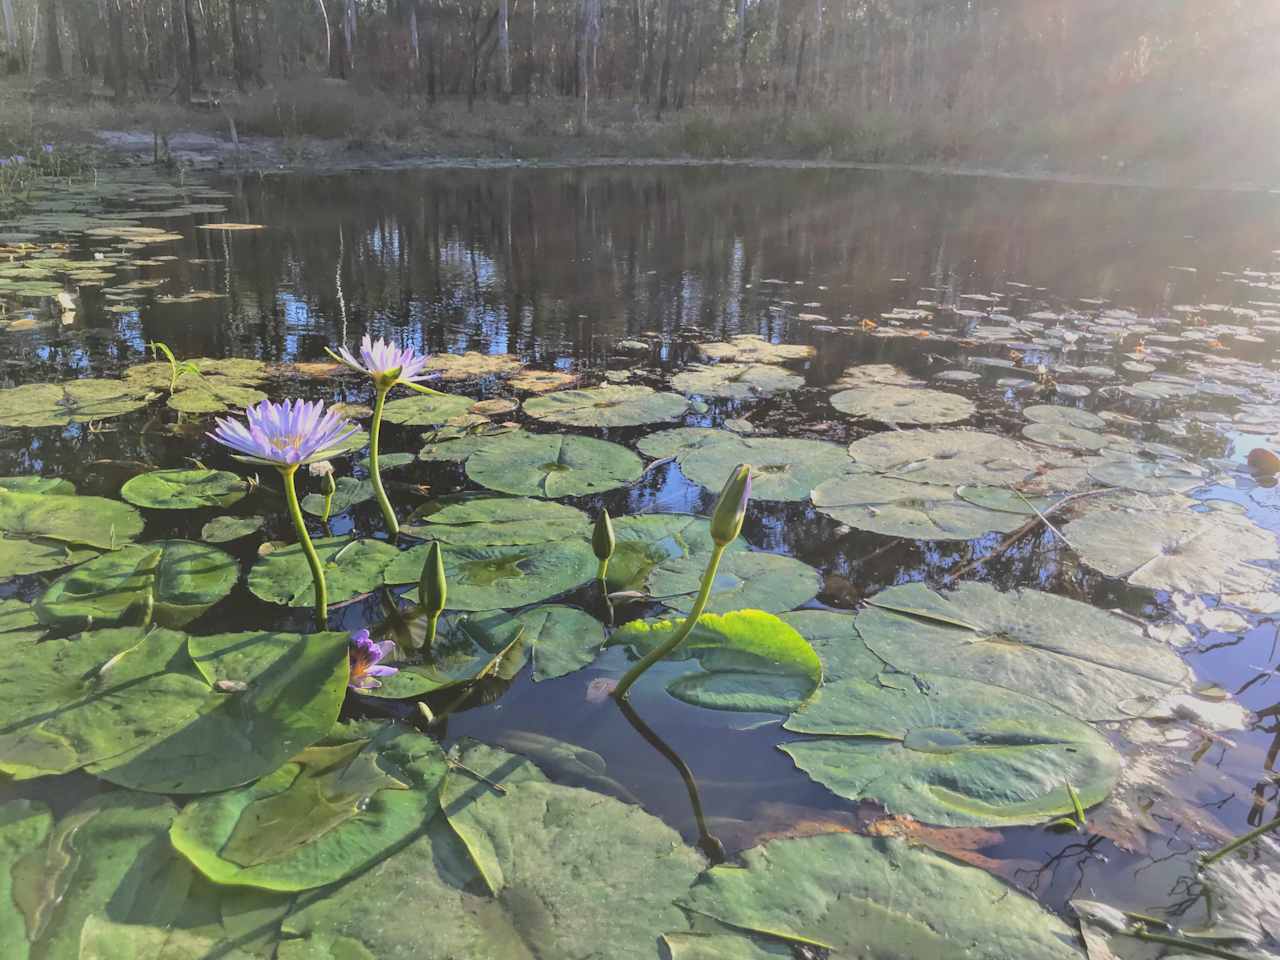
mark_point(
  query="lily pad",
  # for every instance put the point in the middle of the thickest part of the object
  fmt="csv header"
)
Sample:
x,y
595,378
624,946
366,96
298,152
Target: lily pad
x,y
1155,477
951,751
226,529
54,486
220,385
560,639
1163,545
1065,436
18,621
77,521
671,548
764,581
455,445
470,365
334,809
678,441
552,465
750,660
908,406
184,489
486,521
551,888
169,582
607,406
1049,413
1089,663
352,568
736,381
348,494
467,646
877,897
952,457
266,696
426,410
60,404
503,575
749,348
916,511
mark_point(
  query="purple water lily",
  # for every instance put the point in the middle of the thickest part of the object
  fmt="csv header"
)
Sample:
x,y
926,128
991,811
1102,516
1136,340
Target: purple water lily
x,y
365,661
384,361
285,435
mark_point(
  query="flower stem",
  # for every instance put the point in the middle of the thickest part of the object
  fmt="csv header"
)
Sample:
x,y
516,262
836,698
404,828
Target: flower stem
x,y
433,622
1239,842
657,653
602,572
375,477
313,559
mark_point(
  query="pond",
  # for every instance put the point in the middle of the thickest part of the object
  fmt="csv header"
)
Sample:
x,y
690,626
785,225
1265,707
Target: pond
x,y
998,635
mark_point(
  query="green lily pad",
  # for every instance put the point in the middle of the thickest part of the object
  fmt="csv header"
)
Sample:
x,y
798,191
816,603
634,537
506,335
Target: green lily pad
x,y
221,385
486,521
736,381
54,486
169,582
45,524
105,939
352,568
67,703
1065,436
660,546
607,406
1049,413
348,494
519,873
226,529
865,897
1155,477
24,830
946,457
552,465
780,469
677,441
18,621
834,638
456,444
906,406
914,511
184,489
763,581
472,365
266,696
751,661
750,348
950,751
560,639
503,575
467,645
426,410
60,404
1089,663
334,809
1163,545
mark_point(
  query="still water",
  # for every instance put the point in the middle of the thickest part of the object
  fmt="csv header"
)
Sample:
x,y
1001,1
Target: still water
x,y
624,270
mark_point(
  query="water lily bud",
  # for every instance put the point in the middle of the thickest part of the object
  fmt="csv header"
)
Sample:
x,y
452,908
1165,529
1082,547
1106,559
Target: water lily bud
x,y
321,468
731,508
602,541
432,588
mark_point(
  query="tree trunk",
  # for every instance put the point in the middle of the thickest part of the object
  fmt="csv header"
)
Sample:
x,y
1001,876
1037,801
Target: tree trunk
x,y
529,52
741,37
664,77
504,46
52,45
237,47
349,37
13,49
181,53
584,64
193,52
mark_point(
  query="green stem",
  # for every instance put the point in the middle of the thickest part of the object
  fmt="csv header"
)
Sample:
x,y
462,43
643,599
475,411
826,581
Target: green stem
x,y
1202,948
375,477
603,572
1239,842
657,653
432,623
313,559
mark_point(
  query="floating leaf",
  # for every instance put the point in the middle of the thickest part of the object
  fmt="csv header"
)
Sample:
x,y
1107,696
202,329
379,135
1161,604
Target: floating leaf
x,y
484,520
169,582
470,365
560,639
915,511
348,494
1063,435
184,489
230,227
266,696
18,622
834,639
764,581
1055,415
862,897
60,404
677,441
426,410
661,546
607,406
226,529
334,809
909,406
950,751
541,381
220,385
749,348
552,465
945,457
1083,660
77,521
1156,477
467,645
751,661
455,445
53,486
352,568
736,381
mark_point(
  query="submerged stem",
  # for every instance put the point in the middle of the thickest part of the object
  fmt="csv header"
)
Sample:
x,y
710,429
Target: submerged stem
x,y
304,540
375,477
1239,842
657,653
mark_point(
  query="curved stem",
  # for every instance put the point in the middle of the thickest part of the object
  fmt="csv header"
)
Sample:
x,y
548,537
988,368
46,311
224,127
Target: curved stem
x,y
304,540
1239,842
375,477
657,653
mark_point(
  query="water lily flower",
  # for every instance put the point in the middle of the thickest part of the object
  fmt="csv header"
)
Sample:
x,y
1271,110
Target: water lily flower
x,y
287,436
366,657
48,148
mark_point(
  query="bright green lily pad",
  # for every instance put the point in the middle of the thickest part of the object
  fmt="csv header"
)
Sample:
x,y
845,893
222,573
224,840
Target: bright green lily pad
x,y
169,582
193,489
485,520
736,381
763,581
24,830
426,410
750,660
863,897
950,751
226,529
352,568
78,521
348,494
607,406
67,703
60,404
266,697
552,465
551,888
906,406
1089,663
502,576
834,639
18,621
54,486
334,809
456,444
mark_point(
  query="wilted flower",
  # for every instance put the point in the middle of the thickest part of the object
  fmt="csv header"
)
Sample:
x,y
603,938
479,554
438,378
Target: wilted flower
x,y
365,661
285,435
386,363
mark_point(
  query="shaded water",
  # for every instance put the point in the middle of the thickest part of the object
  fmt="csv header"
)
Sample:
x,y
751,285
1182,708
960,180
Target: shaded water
x,y
560,266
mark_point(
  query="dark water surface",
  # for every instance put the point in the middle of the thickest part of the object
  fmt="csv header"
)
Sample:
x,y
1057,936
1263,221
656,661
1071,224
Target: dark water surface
x,y
560,265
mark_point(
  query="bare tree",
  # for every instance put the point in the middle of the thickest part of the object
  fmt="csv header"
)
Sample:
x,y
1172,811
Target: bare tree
x,y
504,45
52,46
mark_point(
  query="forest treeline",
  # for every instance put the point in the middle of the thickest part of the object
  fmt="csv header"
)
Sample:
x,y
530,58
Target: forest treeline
x,y
1085,73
